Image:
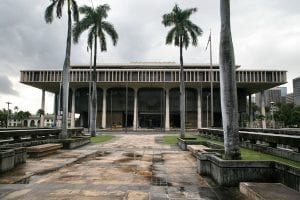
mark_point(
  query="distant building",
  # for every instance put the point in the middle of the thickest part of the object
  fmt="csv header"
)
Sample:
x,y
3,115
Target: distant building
x,y
32,121
290,98
296,89
276,95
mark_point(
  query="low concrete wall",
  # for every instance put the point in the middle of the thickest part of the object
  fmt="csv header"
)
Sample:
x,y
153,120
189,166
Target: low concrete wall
x,y
182,143
231,173
252,140
287,175
283,153
74,142
7,160
271,130
20,155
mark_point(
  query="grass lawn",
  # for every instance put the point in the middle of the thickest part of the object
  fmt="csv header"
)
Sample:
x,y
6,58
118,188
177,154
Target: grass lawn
x,y
101,138
247,154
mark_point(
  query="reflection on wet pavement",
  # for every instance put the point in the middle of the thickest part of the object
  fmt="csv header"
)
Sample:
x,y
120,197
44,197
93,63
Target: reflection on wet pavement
x,y
129,167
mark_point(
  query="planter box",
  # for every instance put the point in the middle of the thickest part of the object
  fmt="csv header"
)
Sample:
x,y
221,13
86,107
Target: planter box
x,y
74,142
7,160
20,155
182,143
231,172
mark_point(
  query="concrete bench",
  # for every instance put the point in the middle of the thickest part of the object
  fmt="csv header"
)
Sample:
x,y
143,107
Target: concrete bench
x,y
194,149
42,150
268,191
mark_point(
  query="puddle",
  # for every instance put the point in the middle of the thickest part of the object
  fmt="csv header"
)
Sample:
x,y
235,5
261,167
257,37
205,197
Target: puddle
x,y
132,155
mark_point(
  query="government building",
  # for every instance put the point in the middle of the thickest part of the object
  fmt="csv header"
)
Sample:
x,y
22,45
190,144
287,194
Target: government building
x,y
143,95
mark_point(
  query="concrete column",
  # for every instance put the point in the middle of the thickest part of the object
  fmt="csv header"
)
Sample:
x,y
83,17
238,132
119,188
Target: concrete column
x,y
42,120
55,109
59,117
135,109
73,108
199,108
263,108
167,120
250,112
104,108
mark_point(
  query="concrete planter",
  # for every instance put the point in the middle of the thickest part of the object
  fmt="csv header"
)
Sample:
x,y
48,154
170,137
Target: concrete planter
x,y
74,142
20,155
7,160
231,173
182,143
283,153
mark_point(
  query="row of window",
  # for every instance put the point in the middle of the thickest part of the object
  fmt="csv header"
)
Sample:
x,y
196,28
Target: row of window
x,y
151,76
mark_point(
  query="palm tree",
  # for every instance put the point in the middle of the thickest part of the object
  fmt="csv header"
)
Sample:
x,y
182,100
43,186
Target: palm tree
x,y
94,21
16,108
182,32
72,9
229,103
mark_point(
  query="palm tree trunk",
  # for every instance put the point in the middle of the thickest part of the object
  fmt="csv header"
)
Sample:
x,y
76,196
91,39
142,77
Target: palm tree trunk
x,y
94,93
66,75
182,95
90,93
229,103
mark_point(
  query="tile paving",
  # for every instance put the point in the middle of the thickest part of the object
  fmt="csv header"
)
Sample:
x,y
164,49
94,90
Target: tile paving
x,y
132,166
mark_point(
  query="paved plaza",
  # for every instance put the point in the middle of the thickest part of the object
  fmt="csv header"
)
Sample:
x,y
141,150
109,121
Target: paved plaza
x,y
131,166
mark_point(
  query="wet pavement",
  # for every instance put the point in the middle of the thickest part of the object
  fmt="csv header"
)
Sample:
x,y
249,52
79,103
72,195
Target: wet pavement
x,y
133,167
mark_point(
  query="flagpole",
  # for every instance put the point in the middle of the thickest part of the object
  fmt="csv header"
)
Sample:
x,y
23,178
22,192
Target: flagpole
x,y
211,86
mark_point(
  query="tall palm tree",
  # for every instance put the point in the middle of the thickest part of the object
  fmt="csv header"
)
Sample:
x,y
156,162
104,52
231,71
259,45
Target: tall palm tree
x,y
72,9
98,28
229,103
182,32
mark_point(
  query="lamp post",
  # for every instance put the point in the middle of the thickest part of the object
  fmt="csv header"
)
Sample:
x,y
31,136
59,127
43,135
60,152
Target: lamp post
x,y
272,114
7,113
207,110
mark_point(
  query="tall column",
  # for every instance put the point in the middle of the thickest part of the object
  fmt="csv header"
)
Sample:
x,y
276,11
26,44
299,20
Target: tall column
x,y
199,108
104,108
250,112
135,109
58,123
263,108
167,120
55,109
73,108
42,120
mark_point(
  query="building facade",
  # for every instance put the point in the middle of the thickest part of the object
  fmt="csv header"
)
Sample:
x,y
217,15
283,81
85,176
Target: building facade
x,y
276,95
296,90
32,122
146,95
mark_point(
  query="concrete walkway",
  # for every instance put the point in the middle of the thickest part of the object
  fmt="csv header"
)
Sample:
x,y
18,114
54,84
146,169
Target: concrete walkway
x,y
133,167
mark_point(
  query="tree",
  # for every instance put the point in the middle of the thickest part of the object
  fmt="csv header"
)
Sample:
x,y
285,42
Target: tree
x,y
98,28
72,9
229,103
16,108
183,32
21,115
40,112
289,114
3,117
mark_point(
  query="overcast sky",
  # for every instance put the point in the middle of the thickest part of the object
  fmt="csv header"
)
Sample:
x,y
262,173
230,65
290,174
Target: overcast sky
x,y
266,35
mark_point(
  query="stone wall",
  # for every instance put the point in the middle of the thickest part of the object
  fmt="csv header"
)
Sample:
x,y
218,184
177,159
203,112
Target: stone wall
x,y
231,173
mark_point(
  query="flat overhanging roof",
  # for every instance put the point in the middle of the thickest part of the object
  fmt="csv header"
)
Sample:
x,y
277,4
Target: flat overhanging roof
x,y
137,75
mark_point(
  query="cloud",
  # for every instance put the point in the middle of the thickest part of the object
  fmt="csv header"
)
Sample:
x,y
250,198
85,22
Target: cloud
x,y
266,35
6,86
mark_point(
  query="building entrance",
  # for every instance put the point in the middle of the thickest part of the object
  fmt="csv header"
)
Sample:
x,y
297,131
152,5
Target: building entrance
x,y
151,107
151,120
